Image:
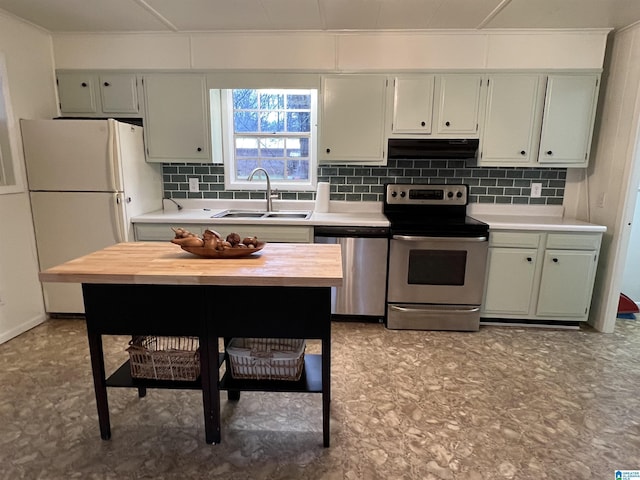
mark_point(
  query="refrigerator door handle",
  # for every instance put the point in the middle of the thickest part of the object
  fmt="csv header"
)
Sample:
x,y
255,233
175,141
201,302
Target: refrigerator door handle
x,y
112,152
118,218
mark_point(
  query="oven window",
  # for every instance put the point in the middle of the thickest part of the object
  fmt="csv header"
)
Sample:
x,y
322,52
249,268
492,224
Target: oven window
x,y
437,267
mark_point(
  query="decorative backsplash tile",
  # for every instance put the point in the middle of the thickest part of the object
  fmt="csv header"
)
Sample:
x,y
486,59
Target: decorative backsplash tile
x,y
357,183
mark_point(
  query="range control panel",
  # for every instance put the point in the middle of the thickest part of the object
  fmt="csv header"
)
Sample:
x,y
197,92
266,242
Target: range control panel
x,y
427,194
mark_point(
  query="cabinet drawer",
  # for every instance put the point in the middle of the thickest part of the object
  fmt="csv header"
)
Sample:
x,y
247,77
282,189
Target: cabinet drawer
x,y
160,232
575,241
514,239
268,233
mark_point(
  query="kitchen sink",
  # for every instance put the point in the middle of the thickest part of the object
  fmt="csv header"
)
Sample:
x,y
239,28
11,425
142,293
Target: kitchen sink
x,y
261,215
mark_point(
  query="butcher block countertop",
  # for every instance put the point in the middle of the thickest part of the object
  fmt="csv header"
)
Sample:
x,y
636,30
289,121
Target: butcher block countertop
x,y
277,264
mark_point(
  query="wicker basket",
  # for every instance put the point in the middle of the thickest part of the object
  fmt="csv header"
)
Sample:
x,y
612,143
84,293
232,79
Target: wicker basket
x,y
164,358
266,358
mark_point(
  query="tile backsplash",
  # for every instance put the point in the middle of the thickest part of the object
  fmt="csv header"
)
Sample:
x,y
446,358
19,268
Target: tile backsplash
x,y
507,185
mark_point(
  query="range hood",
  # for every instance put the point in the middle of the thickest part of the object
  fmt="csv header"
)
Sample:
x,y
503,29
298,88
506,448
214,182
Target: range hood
x,y
432,148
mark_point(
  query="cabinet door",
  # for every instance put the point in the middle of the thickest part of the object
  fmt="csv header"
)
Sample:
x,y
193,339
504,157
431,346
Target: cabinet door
x,y
509,284
119,93
566,283
176,120
512,120
352,118
77,93
567,124
458,98
413,104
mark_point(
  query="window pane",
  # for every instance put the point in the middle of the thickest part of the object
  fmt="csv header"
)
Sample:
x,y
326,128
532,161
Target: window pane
x,y
297,147
244,168
272,121
272,147
274,167
271,101
245,121
298,102
246,147
297,169
245,99
298,122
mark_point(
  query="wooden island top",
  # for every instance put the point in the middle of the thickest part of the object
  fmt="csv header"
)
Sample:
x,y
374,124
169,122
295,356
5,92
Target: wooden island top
x,y
153,263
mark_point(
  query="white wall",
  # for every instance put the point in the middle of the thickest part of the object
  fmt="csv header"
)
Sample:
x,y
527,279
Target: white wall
x,y
613,172
28,55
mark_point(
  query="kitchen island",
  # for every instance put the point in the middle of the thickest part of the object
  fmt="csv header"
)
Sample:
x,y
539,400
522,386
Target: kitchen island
x,y
149,288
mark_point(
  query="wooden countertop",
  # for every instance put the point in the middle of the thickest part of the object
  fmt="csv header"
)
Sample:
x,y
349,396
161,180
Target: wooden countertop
x,y
277,264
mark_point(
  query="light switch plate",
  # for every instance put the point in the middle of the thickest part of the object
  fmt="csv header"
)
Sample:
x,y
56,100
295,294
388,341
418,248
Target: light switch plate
x,y
536,190
194,186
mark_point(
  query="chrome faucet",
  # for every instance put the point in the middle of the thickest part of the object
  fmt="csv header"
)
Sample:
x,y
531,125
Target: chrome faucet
x,y
269,194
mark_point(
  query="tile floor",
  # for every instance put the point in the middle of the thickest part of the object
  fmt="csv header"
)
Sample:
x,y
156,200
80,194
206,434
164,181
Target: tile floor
x,y
502,403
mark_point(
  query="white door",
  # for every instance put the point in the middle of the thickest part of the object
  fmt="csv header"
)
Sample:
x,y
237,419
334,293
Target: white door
x,y
69,225
70,155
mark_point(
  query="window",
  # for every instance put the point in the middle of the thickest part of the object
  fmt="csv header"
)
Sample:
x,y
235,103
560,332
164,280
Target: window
x,y
270,128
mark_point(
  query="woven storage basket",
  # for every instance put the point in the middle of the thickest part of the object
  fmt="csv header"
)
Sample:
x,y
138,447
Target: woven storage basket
x,y
164,358
266,358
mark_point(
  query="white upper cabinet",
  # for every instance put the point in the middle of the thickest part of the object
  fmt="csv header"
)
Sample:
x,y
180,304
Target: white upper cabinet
x,y
569,114
413,104
118,93
77,93
457,112
535,120
177,118
94,94
352,119
438,106
512,119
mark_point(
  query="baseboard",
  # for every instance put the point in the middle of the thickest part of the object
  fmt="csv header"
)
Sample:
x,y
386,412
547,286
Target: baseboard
x,y
23,327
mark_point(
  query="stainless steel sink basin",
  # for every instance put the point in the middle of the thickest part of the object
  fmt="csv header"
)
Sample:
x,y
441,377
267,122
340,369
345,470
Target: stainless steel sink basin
x,y
260,215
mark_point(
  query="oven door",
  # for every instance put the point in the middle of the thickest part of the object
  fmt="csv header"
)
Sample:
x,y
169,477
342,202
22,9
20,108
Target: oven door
x,y
437,270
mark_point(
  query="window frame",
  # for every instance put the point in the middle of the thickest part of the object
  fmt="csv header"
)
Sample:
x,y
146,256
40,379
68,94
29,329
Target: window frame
x,y
229,160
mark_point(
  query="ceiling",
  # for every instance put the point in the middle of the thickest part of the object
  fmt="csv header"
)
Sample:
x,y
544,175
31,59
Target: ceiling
x,y
317,15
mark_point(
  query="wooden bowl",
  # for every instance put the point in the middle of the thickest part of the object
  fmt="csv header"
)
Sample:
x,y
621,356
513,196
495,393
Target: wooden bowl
x,y
228,253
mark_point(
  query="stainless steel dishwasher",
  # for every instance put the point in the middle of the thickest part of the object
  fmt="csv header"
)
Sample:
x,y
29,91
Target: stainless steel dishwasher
x,y
364,264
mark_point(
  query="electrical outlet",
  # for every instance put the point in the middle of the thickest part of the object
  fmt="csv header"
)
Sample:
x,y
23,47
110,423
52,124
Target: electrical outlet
x,y
536,190
194,186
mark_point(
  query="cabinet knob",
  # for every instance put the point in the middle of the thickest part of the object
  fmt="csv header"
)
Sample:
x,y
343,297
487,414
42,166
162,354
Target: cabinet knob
x,y
199,149
423,124
106,84
529,259
555,260
522,152
84,84
447,123
549,152
328,150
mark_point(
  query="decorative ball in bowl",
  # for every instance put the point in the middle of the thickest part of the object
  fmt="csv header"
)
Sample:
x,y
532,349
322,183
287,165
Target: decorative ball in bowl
x,y
212,244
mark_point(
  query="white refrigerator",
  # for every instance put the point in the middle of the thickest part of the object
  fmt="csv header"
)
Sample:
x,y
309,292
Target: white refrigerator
x,y
86,179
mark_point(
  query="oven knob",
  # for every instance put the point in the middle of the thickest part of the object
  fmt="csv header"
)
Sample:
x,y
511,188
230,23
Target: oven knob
x,y
403,194
459,194
450,194
394,194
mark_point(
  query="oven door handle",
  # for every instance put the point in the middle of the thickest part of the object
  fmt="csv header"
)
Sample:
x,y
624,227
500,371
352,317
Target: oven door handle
x,y
411,238
435,309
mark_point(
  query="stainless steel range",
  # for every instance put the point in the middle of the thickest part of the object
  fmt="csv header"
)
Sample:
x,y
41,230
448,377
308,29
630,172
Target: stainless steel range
x,y
437,258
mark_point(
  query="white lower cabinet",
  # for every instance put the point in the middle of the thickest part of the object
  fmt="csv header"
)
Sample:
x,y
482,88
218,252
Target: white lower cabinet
x,y
540,275
161,232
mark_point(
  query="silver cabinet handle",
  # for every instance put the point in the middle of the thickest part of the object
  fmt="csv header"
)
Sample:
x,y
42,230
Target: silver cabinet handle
x,y
433,310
